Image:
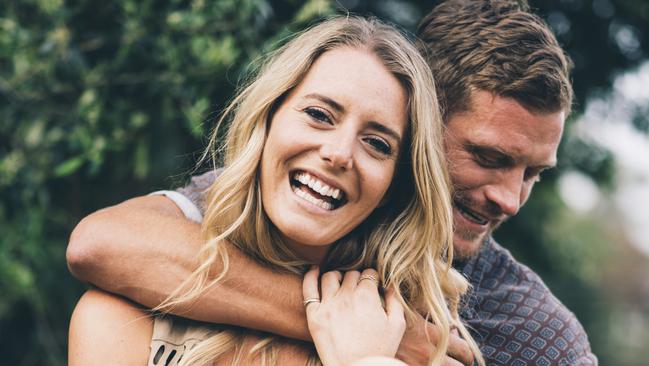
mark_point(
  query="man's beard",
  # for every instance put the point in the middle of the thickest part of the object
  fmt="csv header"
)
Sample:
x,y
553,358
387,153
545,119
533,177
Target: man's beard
x,y
468,235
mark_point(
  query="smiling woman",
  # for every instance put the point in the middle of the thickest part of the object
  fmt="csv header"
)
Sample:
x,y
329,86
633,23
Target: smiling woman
x,y
339,130
332,158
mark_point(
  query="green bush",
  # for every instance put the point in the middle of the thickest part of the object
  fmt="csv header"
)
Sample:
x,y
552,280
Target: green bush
x,y
101,101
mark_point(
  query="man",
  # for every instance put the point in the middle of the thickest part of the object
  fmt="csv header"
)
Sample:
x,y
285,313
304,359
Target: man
x,y
504,83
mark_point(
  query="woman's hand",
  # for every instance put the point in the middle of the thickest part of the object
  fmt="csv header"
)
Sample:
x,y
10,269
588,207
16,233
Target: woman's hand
x,y
348,323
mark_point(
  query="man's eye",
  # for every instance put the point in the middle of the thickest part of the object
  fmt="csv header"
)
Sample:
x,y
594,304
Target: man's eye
x,y
379,145
533,175
487,161
317,115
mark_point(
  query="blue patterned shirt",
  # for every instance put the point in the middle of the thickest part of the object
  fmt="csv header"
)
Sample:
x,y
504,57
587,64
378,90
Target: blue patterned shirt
x,y
515,318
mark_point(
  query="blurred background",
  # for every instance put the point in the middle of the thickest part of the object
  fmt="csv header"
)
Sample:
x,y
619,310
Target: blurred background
x,y
104,100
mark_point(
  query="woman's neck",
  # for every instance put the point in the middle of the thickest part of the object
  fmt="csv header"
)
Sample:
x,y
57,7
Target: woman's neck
x,y
315,254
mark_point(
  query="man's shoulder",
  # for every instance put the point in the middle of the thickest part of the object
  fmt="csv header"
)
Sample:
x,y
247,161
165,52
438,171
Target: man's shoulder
x,y
495,267
197,187
515,317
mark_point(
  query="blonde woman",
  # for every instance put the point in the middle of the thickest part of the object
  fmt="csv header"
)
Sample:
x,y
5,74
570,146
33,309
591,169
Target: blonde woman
x,y
332,158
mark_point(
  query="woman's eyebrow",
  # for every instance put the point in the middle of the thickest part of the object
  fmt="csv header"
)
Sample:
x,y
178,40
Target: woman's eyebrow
x,y
339,108
332,103
385,129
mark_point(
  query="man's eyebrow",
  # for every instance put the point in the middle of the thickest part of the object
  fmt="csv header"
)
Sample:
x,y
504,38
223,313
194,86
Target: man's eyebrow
x,y
335,105
482,149
508,159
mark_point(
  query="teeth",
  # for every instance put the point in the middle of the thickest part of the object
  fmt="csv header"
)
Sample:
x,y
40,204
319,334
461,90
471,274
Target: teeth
x,y
473,217
318,186
328,192
302,178
315,201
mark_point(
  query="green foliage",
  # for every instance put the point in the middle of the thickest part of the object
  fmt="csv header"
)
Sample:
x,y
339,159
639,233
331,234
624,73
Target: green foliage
x,y
100,101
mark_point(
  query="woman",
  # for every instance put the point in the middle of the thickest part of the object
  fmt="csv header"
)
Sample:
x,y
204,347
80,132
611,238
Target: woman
x,y
332,158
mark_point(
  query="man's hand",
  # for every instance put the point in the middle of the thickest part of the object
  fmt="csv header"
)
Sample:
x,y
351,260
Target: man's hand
x,y
416,348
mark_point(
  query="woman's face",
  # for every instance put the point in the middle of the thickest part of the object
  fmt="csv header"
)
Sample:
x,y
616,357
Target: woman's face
x,y
332,150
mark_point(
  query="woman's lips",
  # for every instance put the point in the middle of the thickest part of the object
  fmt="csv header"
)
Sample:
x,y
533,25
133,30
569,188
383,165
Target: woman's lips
x,y
313,190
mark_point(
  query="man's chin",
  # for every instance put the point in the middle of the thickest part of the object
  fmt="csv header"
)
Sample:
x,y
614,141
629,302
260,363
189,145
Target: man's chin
x,y
465,247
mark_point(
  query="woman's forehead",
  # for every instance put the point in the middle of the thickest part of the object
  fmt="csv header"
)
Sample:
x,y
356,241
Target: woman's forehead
x,y
356,78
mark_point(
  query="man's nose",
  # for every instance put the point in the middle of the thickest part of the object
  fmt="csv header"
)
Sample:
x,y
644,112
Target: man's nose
x,y
338,151
508,194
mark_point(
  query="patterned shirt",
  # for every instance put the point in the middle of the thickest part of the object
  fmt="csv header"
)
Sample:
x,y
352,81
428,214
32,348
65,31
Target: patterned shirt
x,y
510,311
515,318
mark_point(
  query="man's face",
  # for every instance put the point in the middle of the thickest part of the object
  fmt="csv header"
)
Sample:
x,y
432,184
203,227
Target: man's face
x,y
496,151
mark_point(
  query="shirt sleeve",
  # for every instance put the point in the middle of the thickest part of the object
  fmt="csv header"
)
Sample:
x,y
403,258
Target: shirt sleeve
x,y
198,186
190,199
189,209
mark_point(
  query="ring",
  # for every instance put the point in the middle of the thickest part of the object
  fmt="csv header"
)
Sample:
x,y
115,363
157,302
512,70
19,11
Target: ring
x,y
369,277
308,301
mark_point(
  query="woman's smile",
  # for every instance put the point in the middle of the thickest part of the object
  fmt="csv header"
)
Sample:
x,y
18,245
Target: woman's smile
x,y
314,190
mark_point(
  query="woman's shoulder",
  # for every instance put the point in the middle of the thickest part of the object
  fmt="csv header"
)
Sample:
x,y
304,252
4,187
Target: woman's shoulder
x,y
108,329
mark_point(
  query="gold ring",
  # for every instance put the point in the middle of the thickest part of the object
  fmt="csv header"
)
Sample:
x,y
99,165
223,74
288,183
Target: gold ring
x,y
369,277
308,301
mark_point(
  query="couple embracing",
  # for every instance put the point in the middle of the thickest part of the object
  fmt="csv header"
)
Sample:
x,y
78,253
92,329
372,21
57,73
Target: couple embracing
x,y
349,221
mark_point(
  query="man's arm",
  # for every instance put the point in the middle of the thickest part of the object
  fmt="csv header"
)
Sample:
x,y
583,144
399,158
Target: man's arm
x,y
145,247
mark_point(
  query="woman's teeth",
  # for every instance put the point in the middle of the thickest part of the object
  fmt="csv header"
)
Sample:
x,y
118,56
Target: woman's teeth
x,y
316,201
318,186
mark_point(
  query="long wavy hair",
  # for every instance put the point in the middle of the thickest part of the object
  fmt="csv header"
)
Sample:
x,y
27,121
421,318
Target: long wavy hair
x,y
408,240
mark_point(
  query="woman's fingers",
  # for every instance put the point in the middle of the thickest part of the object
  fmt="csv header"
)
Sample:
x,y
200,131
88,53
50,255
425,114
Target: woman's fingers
x,y
368,285
350,280
394,308
330,284
310,287
369,279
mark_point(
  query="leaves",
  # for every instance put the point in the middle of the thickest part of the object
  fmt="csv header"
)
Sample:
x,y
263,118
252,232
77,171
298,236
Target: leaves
x,y
100,102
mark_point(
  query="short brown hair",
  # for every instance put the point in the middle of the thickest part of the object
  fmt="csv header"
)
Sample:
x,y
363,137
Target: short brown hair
x,y
497,46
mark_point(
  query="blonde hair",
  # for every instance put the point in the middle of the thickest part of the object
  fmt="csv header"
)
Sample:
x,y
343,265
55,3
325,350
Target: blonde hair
x,y
409,240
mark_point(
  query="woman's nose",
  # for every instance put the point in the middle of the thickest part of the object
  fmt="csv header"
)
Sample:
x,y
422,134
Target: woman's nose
x,y
338,151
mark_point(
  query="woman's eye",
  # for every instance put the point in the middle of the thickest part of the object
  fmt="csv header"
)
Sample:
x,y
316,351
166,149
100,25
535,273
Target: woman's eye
x,y
317,114
379,145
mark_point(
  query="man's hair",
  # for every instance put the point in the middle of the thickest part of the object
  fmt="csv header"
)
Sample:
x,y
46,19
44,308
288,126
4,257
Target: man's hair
x,y
497,46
